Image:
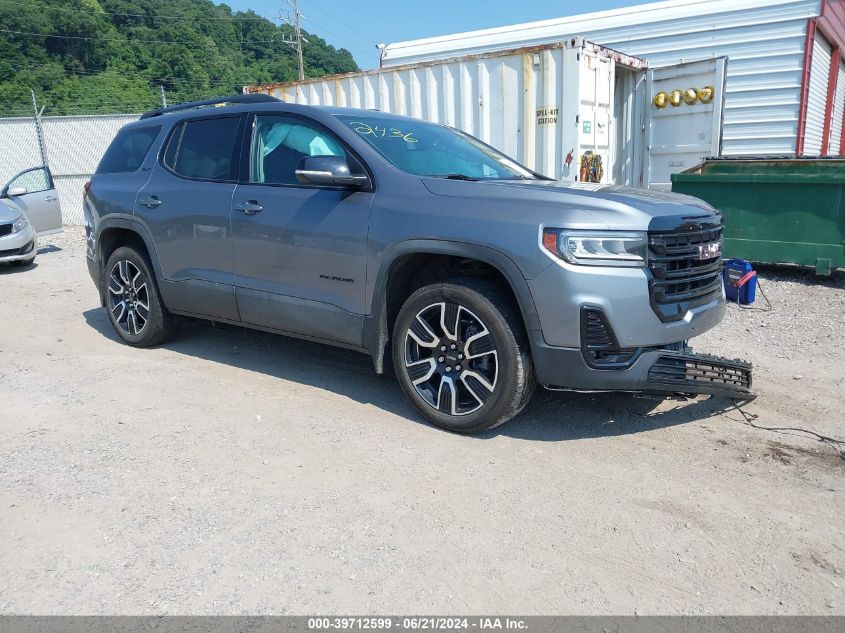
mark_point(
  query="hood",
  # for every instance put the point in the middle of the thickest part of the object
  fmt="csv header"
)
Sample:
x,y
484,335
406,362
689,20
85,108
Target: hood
x,y
614,207
8,212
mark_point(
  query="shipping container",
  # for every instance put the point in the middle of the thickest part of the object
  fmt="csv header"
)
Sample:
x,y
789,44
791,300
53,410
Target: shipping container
x,y
784,92
571,110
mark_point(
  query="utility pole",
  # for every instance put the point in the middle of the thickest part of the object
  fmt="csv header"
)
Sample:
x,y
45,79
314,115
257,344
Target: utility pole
x,y
297,42
39,130
163,98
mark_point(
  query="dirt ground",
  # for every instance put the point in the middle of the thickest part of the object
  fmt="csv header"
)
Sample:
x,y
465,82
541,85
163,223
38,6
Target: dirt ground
x,y
235,472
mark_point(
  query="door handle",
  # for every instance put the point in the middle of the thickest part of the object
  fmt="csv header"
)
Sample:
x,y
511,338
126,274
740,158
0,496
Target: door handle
x,y
250,208
51,198
151,203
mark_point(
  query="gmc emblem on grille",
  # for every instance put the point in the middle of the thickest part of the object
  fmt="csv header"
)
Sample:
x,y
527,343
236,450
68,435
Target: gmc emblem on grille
x,y
709,250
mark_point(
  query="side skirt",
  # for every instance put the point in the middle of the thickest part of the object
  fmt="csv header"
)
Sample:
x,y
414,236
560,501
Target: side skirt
x,y
263,328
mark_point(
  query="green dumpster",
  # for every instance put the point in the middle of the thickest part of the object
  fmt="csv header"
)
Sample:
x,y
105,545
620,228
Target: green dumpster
x,y
776,210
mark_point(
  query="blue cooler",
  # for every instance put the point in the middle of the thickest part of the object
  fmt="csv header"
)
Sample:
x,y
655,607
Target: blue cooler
x,y
740,281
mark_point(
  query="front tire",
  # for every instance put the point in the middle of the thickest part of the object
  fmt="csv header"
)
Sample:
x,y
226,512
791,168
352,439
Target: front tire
x,y
461,355
133,301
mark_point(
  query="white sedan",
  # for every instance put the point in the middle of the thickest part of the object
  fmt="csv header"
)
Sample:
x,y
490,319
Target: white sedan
x,y
29,207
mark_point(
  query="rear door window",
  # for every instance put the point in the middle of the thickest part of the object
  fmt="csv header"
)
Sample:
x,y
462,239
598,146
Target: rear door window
x,y
204,149
128,150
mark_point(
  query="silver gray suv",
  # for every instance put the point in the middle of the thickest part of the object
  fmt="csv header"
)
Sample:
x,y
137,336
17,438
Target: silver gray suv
x,y
415,243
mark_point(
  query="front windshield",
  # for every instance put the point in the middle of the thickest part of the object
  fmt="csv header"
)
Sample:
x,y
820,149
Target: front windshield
x,y
427,149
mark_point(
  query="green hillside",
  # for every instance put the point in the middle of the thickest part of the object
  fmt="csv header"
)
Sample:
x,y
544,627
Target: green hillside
x,y
96,56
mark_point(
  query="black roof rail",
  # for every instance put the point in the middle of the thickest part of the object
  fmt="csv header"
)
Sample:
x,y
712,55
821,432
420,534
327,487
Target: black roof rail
x,y
190,105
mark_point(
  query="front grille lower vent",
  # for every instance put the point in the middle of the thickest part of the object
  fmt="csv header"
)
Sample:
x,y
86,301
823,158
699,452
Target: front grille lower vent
x,y
686,268
703,374
599,344
597,335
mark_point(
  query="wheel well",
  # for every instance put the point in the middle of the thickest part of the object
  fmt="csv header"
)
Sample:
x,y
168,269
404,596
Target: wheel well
x,y
409,273
112,239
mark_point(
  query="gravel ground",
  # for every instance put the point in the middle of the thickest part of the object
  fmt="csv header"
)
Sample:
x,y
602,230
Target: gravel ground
x,y
233,472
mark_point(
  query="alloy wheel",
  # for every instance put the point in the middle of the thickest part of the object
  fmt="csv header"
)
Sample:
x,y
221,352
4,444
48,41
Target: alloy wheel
x,y
129,298
451,358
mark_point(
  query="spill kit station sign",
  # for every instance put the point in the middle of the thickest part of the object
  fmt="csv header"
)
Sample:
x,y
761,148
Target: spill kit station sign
x,y
547,116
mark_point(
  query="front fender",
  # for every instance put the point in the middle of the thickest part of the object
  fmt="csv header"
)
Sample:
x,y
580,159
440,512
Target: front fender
x,y
376,335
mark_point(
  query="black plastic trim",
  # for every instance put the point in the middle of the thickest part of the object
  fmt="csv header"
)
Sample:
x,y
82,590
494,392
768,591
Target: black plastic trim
x,y
234,100
595,313
661,256
701,373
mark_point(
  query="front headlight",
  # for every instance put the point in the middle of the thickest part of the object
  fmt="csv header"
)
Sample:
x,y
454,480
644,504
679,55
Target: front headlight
x,y
597,248
20,224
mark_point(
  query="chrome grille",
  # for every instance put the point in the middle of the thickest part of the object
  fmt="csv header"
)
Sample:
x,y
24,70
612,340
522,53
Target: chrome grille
x,y
681,278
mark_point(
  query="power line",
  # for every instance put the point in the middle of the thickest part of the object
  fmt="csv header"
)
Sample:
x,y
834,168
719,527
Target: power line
x,y
127,38
138,73
339,21
231,18
154,80
339,37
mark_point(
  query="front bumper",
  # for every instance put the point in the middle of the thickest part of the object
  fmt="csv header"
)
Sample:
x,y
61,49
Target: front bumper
x,y
18,246
658,370
622,294
601,329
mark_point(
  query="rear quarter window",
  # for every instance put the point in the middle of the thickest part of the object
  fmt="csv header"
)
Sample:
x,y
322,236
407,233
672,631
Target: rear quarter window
x,y
203,149
128,150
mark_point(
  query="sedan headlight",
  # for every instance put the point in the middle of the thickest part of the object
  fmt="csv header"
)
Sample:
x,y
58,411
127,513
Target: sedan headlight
x,y
20,224
597,248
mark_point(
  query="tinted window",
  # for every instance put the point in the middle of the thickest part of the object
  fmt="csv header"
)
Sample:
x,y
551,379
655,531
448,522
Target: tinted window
x,y
428,149
279,143
128,150
203,148
33,181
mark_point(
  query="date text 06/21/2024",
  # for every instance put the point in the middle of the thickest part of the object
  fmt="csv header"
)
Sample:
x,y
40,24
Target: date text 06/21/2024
x,y
415,623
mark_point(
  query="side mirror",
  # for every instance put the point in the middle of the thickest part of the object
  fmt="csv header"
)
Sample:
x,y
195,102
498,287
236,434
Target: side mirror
x,y
11,192
328,170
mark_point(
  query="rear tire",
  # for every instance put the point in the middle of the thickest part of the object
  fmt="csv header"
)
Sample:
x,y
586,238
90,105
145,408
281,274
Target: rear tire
x,y
461,355
132,299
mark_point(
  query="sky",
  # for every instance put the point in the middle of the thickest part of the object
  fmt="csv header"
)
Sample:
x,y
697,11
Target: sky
x,y
358,25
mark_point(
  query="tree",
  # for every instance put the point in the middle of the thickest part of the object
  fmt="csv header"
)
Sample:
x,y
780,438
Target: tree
x,y
96,56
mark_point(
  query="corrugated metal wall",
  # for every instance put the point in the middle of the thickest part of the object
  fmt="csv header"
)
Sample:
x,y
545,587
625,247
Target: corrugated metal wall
x,y
74,144
835,148
817,95
491,98
515,100
763,39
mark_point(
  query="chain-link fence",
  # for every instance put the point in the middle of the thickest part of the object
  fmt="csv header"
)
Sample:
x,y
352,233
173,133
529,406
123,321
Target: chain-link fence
x,y
72,147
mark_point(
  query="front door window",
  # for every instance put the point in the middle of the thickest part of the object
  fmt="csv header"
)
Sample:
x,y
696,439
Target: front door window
x,y
279,143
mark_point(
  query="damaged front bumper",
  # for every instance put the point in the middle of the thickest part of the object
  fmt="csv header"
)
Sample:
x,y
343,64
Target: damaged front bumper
x,y
668,370
689,373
